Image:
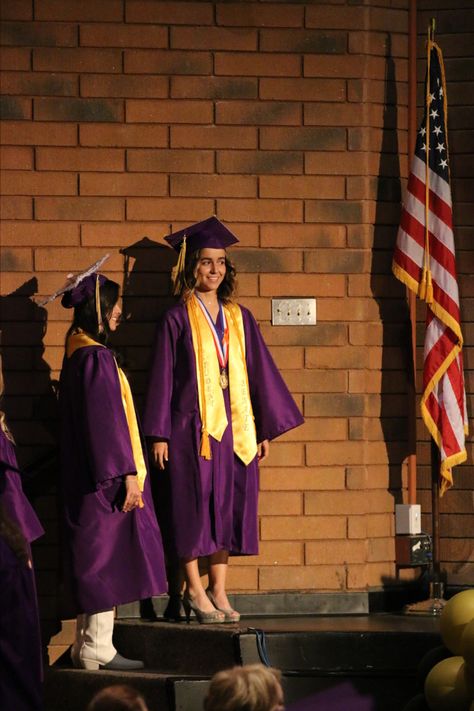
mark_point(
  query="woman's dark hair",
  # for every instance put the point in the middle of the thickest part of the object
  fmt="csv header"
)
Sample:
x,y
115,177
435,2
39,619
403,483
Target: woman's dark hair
x,y
119,697
85,315
225,291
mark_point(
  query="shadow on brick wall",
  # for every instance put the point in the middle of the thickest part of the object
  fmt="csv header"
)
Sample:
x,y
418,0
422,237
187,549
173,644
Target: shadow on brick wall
x,y
396,369
30,404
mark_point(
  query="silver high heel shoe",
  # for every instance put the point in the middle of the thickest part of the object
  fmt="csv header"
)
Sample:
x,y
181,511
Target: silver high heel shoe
x,y
230,615
215,617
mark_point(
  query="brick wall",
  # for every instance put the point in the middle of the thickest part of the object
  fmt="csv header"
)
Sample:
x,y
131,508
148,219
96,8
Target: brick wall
x,y
126,118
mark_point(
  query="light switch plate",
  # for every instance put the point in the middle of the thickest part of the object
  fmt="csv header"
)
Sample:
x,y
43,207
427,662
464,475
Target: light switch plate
x,y
293,312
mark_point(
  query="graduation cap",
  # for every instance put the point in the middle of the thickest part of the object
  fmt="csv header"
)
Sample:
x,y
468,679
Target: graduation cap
x,y
210,233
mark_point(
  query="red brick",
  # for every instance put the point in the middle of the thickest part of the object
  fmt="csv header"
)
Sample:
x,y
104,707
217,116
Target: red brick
x,y
285,454
213,137
252,64
171,62
329,18
214,185
327,334
168,209
347,262
169,111
36,34
373,91
79,208
305,138
13,157
303,89
17,58
104,11
126,135
322,577
275,553
313,381
302,285
123,184
242,577
260,113
284,356
335,552
379,43
172,13
318,429
247,285
68,109
124,85
14,108
171,161
121,235
340,405
310,235
16,208
302,479
77,60
19,182
344,66
258,15
303,41
38,83
261,210
325,163
372,382
213,88
17,10
59,260
356,577
333,114
380,524
256,162
302,187
380,549
297,528
213,38
276,503
15,260
37,234
120,35
80,159
38,134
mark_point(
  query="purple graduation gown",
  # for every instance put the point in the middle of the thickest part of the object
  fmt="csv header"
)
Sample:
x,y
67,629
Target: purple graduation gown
x,y
112,557
212,503
20,641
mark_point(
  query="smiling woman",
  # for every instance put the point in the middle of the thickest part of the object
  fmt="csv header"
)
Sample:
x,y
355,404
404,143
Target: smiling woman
x,y
208,419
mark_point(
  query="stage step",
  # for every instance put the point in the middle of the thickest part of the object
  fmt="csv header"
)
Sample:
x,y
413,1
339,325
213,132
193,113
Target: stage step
x,y
378,654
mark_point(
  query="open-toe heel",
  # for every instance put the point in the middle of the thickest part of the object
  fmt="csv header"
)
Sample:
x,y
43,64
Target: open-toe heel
x,y
214,617
230,615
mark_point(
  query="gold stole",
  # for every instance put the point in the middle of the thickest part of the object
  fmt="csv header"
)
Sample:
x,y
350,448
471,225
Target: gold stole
x,y
211,398
81,340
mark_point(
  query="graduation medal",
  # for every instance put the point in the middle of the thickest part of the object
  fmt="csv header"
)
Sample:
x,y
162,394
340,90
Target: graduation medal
x,y
222,347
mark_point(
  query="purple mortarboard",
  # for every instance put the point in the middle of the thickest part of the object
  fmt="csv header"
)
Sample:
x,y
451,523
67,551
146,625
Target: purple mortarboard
x,y
210,233
83,291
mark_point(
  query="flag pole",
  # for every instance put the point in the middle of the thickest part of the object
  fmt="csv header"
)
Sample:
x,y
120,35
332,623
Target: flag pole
x,y
412,128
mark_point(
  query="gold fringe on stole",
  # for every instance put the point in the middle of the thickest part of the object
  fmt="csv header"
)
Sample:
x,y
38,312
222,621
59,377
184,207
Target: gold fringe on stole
x,y
177,273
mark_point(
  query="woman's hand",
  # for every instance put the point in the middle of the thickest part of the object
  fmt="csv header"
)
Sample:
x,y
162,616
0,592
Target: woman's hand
x,y
263,450
159,454
133,497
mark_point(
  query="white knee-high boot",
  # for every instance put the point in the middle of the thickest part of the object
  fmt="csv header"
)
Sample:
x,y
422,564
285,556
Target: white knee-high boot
x,y
93,645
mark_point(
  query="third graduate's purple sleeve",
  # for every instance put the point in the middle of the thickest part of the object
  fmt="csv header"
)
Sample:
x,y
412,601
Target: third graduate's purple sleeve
x,y
274,409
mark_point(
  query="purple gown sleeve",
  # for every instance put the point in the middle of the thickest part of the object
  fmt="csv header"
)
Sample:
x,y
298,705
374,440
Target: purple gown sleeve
x,y
274,409
12,497
157,415
106,433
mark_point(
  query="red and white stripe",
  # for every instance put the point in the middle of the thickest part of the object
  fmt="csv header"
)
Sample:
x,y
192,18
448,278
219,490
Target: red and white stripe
x,y
443,401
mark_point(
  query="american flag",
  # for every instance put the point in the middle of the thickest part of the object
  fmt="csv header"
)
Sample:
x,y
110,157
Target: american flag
x,y
424,260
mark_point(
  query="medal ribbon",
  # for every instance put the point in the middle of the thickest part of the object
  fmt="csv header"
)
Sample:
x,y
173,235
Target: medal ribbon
x,y
222,346
211,397
81,340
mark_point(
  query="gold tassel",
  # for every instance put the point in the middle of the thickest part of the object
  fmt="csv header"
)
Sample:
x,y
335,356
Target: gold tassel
x,y
205,446
429,288
97,301
422,286
178,270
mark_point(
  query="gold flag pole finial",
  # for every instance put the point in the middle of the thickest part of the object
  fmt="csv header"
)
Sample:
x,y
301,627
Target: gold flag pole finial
x,y
431,29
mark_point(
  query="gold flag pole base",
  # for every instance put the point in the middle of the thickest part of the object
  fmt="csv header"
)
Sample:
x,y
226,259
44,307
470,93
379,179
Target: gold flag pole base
x,y
433,607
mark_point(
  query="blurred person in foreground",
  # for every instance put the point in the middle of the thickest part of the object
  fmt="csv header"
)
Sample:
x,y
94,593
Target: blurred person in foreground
x,y
119,697
254,687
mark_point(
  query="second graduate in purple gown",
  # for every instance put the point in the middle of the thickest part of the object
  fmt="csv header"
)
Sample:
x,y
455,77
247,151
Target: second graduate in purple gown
x,y
114,550
20,641
215,399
